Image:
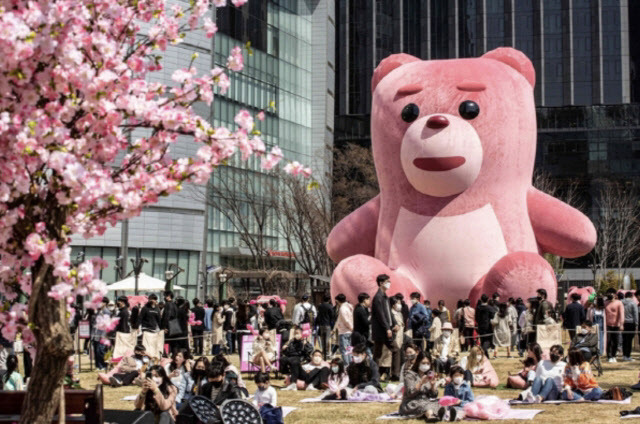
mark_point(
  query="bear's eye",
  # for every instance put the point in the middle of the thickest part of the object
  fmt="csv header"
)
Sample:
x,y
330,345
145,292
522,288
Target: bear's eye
x,y
469,109
410,112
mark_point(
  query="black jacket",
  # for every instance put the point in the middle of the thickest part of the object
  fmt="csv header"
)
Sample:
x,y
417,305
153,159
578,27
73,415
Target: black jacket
x,y
123,325
361,324
574,315
325,315
228,391
364,374
169,312
198,315
484,315
149,318
298,349
183,319
228,316
272,316
381,317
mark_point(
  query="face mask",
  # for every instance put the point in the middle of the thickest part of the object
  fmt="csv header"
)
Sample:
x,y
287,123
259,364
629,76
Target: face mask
x,y
157,380
357,359
584,330
411,357
539,297
425,367
414,301
458,380
554,357
198,373
145,359
397,307
478,358
216,383
317,360
138,356
335,369
446,335
387,285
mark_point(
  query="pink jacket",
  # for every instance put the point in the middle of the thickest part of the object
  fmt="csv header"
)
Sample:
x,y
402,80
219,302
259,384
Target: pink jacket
x,y
338,382
614,313
344,323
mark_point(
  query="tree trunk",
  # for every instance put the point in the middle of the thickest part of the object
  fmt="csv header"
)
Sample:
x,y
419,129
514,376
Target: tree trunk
x,y
54,345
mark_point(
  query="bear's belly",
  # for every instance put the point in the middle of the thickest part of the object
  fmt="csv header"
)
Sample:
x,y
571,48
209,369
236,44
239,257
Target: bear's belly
x,y
446,256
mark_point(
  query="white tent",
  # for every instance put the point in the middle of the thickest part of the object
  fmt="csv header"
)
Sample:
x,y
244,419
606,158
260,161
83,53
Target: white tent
x,y
146,283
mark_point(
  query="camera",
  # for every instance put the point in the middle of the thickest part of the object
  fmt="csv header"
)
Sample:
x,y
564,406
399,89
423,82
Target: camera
x,y
149,374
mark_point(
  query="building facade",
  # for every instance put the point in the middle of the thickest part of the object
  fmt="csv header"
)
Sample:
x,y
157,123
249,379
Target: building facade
x,y
288,73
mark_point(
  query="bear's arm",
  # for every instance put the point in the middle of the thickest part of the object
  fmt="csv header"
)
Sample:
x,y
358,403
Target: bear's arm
x,y
355,233
559,228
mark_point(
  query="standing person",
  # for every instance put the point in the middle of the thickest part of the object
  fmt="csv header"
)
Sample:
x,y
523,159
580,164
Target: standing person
x,y
513,314
382,322
208,315
229,325
429,312
217,337
484,315
305,313
503,326
544,309
445,315
614,313
391,361
405,308
435,330
169,313
417,320
574,315
630,325
242,320
469,320
273,315
197,330
12,380
324,322
98,336
361,323
596,314
123,315
182,315
344,326
149,319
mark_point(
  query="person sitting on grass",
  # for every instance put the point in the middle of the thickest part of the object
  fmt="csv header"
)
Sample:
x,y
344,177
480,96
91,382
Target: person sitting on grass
x,y
579,382
457,388
586,340
230,371
129,367
221,387
263,350
198,376
265,394
179,372
524,378
445,350
293,355
547,384
338,381
12,380
420,390
478,370
363,371
158,395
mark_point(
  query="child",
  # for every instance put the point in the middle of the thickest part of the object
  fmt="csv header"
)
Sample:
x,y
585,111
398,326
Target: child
x,y
338,381
265,395
524,378
458,388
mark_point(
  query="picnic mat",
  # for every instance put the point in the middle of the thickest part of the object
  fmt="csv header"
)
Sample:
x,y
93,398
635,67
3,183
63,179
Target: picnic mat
x,y
319,400
514,414
286,410
548,402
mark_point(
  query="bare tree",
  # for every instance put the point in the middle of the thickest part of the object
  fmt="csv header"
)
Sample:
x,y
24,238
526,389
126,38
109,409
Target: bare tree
x,y
354,179
305,220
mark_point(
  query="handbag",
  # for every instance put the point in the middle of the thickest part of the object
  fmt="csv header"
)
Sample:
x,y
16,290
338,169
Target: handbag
x,y
175,329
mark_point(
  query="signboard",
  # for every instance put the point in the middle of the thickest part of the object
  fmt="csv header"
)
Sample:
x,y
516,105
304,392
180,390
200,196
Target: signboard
x,y
247,348
84,330
281,254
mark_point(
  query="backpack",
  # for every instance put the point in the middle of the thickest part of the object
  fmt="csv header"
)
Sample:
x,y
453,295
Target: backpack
x,y
307,317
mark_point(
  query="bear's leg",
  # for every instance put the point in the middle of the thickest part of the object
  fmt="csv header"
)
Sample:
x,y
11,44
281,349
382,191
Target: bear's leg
x,y
357,274
517,274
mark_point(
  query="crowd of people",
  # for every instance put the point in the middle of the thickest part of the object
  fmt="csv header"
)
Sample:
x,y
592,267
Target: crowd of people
x,y
347,351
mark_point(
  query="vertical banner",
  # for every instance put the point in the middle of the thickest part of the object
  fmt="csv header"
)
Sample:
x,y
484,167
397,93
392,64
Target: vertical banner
x,y
247,351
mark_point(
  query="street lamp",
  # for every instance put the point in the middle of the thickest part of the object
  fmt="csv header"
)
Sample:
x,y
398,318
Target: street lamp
x,y
170,274
137,269
222,278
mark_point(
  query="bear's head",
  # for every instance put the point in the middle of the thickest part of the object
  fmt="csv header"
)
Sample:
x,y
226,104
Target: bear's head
x,y
457,131
584,292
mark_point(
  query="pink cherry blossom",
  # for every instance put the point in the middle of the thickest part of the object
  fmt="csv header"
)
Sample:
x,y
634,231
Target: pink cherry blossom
x,y
235,61
106,323
271,159
260,115
244,120
210,27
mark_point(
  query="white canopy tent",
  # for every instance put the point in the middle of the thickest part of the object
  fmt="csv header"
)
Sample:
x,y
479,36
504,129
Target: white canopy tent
x,y
146,283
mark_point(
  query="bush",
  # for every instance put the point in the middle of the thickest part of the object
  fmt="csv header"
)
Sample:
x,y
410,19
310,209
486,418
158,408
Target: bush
x,y
610,280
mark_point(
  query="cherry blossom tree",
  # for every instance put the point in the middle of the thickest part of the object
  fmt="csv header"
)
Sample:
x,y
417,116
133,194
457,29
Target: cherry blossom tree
x,y
73,88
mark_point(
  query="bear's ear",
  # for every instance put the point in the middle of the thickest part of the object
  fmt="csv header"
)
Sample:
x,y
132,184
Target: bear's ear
x,y
572,288
590,289
389,64
516,59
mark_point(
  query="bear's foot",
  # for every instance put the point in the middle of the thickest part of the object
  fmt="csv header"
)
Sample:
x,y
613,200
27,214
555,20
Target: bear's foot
x,y
517,274
357,274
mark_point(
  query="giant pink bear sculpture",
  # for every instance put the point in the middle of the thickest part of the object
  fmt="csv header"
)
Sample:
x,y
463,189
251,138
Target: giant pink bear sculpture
x,y
454,145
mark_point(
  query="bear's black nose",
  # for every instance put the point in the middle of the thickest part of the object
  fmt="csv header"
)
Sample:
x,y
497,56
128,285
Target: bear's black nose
x,y
437,122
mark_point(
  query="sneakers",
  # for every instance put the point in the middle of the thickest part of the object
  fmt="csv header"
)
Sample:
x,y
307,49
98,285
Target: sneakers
x,y
114,382
612,360
311,387
452,414
441,413
292,386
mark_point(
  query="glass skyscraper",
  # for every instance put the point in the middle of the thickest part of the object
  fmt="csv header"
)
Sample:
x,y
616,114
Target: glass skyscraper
x,y
291,67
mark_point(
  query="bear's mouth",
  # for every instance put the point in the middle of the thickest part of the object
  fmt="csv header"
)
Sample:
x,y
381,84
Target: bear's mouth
x,y
439,164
